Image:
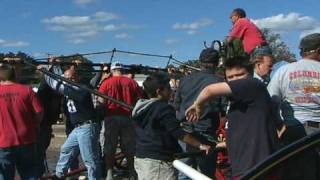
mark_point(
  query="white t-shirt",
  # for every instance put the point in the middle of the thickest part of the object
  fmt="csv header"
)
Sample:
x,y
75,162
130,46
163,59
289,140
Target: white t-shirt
x,y
298,85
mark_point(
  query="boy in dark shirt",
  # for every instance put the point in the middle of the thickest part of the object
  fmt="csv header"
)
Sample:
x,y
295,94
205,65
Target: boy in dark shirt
x,y
158,131
252,133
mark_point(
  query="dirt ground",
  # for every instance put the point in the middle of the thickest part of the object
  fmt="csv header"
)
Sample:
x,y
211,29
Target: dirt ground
x,y
54,148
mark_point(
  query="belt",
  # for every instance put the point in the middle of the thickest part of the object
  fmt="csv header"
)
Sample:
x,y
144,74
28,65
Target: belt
x,y
313,124
84,123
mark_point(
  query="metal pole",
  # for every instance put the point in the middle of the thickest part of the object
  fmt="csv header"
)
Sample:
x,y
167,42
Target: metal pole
x,y
189,171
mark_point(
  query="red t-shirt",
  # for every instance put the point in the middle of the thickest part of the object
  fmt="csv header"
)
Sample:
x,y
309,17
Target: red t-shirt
x,y
123,89
249,33
18,105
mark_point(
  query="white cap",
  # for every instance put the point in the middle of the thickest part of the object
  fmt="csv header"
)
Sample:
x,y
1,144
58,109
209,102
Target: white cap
x,y
116,65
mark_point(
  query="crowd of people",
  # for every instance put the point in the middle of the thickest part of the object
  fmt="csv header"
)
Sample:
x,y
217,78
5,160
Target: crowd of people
x,y
262,114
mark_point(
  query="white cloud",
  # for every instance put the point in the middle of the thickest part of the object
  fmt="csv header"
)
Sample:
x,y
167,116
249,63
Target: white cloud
x,y
104,16
171,41
192,32
116,27
84,2
111,27
193,27
122,36
78,29
76,41
315,30
290,22
6,43
67,20
84,34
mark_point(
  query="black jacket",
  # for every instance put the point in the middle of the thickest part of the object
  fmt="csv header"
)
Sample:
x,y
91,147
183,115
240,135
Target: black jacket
x,y
157,130
189,89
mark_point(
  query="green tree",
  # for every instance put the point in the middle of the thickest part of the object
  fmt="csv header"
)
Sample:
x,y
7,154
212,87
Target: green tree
x,y
279,48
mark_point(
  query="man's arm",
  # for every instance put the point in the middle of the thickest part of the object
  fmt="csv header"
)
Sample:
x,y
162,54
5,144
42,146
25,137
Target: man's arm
x,y
189,139
193,113
172,125
54,84
237,31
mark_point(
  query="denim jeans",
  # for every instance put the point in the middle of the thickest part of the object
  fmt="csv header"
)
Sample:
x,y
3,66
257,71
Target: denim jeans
x,y
22,158
85,139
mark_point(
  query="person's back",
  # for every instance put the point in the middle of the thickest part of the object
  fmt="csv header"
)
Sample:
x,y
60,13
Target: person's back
x,y
117,122
299,84
249,33
20,116
123,89
17,115
245,30
190,88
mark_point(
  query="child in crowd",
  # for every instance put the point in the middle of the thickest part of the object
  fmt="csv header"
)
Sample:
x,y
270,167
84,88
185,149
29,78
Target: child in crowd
x,y
158,131
252,126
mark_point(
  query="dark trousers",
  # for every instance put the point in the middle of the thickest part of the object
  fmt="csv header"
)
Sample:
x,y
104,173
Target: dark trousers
x,y
303,165
43,143
119,129
206,164
23,158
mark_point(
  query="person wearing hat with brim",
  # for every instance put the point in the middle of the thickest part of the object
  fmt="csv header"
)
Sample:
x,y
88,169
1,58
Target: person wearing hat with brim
x,y
117,120
298,86
189,89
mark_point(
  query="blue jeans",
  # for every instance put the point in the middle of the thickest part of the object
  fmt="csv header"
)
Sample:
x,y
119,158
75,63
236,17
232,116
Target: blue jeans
x,y
85,139
22,158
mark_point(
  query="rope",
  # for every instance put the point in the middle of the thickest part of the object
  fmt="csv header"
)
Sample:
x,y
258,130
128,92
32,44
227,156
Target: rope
x,y
73,55
113,51
142,54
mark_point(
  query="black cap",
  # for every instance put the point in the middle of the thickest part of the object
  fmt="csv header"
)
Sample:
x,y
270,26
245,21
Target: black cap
x,y
209,55
310,42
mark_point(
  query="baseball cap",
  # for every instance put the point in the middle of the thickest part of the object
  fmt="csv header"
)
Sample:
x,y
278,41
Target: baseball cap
x,y
310,42
209,55
116,65
261,51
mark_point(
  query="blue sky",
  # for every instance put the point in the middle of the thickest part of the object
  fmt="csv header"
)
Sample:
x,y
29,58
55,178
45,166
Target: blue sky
x,y
164,27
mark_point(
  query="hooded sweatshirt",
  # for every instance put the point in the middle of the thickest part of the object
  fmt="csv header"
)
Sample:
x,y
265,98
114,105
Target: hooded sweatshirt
x,y
157,130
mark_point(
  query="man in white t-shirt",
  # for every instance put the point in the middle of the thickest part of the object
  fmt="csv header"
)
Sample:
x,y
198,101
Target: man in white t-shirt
x,y
297,85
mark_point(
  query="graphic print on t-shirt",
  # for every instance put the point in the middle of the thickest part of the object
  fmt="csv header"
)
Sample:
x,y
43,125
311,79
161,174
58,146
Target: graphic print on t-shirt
x,y
305,87
71,107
